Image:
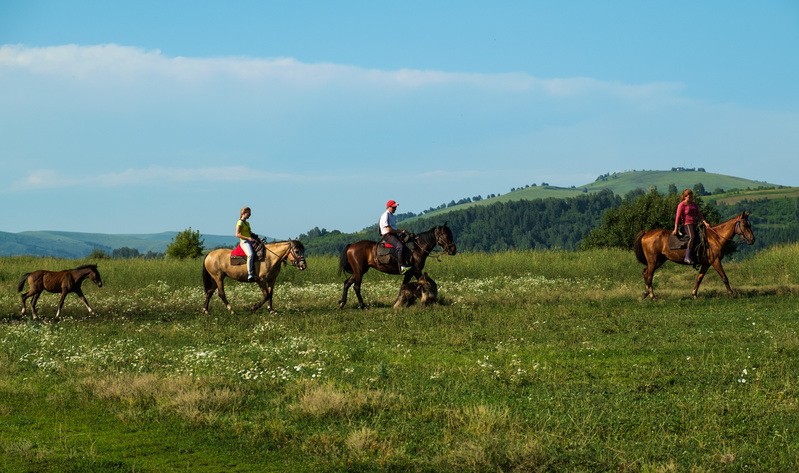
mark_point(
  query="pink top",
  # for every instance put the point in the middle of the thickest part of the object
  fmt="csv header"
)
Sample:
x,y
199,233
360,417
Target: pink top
x,y
689,213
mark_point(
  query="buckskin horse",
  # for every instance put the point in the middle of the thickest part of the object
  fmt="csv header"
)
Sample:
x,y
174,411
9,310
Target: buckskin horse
x,y
217,266
652,249
64,282
358,257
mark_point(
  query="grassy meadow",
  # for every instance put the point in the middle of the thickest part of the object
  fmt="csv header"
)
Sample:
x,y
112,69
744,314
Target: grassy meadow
x,y
533,361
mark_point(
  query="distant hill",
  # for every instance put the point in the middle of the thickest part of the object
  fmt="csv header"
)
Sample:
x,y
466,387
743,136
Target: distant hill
x,y
620,184
79,245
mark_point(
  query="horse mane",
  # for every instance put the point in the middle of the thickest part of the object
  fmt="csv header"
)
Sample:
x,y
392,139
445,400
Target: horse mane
x,y
296,243
427,237
299,245
88,266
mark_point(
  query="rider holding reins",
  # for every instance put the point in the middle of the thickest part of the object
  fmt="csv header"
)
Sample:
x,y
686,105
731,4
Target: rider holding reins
x,y
390,232
690,215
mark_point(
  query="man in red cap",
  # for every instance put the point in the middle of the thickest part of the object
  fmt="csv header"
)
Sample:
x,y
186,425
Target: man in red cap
x,y
389,232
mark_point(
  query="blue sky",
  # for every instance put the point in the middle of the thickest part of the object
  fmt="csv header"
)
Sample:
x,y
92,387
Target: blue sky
x,y
149,116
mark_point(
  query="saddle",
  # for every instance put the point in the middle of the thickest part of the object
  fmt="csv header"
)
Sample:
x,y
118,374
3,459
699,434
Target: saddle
x,y
678,241
386,253
238,256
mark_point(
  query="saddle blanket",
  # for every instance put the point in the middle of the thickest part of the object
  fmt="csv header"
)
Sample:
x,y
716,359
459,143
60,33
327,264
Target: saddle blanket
x,y
678,242
238,256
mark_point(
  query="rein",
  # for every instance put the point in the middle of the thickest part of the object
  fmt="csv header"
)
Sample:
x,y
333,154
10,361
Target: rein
x,y
734,232
724,239
285,256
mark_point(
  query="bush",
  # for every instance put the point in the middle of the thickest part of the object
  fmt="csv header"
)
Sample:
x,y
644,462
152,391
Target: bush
x,y
187,244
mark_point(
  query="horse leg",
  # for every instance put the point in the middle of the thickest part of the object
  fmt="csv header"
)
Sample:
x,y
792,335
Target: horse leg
x,y
34,301
347,285
208,295
723,275
648,274
221,291
60,303
24,298
266,291
83,299
357,286
699,277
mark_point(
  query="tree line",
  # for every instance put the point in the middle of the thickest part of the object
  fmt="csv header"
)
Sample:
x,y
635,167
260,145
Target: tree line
x,y
587,221
596,220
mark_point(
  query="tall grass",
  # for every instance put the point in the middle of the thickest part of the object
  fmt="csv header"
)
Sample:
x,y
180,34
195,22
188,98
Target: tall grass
x,y
533,361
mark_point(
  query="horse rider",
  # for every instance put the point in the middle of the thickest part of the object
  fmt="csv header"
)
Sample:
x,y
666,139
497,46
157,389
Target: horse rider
x,y
690,215
389,232
246,239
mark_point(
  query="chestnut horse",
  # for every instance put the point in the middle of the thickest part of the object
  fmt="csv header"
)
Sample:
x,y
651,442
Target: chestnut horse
x,y
358,257
216,267
57,281
652,249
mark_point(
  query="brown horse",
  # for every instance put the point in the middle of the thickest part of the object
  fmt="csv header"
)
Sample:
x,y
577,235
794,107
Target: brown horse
x,y
57,281
652,249
216,267
358,257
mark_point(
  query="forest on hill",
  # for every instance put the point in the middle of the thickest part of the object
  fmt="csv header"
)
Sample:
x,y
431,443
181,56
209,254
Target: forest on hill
x,y
553,223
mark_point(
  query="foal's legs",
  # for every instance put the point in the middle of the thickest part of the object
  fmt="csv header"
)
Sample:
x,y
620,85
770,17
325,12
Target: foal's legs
x,y
34,301
61,303
82,298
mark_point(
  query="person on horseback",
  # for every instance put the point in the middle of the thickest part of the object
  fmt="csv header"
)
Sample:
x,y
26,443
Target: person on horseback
x,y
389,232
689,215
246,240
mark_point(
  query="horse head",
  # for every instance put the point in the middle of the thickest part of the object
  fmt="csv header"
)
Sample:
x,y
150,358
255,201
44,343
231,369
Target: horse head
x,y
297,255
444,239
744,228
94,274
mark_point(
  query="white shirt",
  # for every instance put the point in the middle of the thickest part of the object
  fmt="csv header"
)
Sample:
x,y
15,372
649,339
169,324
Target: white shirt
x,y
387,220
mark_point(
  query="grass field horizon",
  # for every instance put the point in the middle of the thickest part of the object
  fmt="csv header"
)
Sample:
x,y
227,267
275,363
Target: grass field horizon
x,y
533,361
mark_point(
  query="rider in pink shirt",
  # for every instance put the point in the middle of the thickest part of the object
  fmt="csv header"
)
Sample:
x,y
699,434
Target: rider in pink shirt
x,y
689,214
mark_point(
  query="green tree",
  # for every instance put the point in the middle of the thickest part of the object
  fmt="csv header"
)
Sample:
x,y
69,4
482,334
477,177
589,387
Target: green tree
x,y
187,244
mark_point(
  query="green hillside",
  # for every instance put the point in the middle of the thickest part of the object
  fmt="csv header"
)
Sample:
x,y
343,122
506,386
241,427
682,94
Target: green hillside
x,y
623,182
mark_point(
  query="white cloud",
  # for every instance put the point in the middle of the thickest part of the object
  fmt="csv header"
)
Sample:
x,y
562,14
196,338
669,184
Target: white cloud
x,y
112,63
51,179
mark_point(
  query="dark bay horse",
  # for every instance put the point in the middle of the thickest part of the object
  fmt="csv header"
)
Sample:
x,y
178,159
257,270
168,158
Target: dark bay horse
x,y
652,249
216,267
58,281
358,257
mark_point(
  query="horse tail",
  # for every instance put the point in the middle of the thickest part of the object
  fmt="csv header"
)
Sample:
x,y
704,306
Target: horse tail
x,y
639,247
22,281
208,281
343,262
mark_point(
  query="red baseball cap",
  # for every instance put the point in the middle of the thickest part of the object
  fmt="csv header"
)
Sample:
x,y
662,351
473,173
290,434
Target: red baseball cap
x,y
391,203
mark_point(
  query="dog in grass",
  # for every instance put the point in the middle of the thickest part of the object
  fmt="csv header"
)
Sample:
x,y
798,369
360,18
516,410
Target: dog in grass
x,y
425,290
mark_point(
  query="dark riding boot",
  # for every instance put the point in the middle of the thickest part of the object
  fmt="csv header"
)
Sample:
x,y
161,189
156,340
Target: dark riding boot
x,y
688,258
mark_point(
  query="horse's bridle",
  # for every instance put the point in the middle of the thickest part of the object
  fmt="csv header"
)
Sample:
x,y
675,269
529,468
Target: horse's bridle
x,y
440,233
736,231
298,257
